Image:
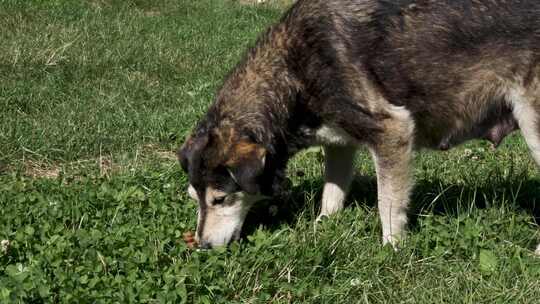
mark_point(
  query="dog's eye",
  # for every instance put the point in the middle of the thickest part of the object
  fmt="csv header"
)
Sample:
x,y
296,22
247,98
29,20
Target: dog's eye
x,y
219,200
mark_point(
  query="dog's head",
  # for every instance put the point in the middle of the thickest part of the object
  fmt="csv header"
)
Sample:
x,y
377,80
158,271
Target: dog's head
x,y
224,170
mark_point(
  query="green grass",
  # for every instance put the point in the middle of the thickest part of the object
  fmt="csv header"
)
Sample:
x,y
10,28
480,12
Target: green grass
x,y
84,78
95,97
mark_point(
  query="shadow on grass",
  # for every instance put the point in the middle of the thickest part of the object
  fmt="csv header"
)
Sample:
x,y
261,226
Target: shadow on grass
x,y
429,196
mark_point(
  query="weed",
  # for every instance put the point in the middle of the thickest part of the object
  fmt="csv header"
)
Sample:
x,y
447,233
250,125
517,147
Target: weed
x,y
95,97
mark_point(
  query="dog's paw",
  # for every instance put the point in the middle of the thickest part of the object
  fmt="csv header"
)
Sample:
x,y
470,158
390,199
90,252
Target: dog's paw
x,y
393,240
318,221
537,251
320,218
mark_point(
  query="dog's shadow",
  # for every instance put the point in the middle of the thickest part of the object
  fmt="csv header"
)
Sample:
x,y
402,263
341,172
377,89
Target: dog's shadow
x,y
429,196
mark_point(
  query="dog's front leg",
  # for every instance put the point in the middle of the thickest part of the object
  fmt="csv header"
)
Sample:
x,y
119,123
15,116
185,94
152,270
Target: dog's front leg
x,y
392,154
337,178
527,113
393,186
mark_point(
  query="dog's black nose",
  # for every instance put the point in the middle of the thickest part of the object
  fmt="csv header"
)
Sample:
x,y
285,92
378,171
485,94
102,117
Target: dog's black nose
x,y
205,245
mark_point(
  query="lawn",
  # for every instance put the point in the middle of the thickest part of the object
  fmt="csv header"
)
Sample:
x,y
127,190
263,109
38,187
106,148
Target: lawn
x,y
96,96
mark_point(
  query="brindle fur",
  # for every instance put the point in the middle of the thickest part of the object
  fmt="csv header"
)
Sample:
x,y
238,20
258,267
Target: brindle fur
x,y
394,75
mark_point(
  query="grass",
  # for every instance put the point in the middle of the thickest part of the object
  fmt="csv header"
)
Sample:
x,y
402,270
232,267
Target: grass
x,y
95,97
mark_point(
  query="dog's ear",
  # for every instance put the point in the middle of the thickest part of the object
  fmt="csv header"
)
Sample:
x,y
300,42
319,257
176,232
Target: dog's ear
x,y
189,154
246,163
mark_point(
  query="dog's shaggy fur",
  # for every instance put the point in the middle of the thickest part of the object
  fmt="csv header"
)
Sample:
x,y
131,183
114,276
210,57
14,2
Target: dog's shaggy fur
x,y
394,75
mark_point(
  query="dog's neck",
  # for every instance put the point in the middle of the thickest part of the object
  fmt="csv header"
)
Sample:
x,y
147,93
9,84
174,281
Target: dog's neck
x,y
259,96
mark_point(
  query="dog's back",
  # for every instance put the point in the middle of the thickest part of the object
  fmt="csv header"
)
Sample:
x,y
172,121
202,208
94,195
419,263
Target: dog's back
x,y
452,64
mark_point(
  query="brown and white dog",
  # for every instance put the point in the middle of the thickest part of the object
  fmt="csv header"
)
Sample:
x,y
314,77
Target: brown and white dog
x,y
392,75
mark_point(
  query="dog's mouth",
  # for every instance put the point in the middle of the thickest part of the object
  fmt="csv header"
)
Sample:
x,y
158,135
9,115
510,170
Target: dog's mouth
x,y
221,223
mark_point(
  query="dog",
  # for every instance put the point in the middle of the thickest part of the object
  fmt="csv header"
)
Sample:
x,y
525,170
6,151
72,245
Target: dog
x,y
391,75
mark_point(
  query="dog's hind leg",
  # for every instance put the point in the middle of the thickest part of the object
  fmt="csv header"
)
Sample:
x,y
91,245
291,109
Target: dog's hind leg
x,y
392,154
337,178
